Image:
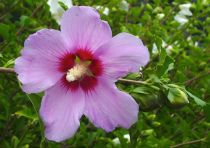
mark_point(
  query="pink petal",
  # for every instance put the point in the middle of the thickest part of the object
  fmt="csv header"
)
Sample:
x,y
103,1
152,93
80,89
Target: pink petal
x,y
82,26
108,108
122,54
61,110
37,67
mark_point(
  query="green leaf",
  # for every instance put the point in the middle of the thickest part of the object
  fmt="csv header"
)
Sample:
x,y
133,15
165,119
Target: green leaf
x,y
196,99
28,113
15,141
4,30
207,111
158,42
140,90
63,5
10,62
166,66
24,20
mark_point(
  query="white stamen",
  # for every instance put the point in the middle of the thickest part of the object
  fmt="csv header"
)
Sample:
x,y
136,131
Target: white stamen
x,y
76,72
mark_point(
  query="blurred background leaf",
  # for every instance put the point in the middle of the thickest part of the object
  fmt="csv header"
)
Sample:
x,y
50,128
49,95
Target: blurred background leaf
x,y
178,72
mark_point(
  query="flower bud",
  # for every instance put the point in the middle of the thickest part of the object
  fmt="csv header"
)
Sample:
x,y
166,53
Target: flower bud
x,y
157,10
149,7
151,117
177,98
148,132
156,124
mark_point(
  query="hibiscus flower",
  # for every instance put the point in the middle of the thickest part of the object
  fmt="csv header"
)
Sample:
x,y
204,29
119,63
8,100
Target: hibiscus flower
x,y
77,68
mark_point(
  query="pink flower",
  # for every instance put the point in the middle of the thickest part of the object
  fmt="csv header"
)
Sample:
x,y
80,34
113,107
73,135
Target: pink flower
x,y
77,68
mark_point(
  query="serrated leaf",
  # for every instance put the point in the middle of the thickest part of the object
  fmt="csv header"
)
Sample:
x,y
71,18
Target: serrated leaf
x,y
196,99
8,63
26,112
166,66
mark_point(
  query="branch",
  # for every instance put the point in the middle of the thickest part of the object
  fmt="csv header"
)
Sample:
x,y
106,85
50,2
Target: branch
x,y
6,70
188,82
132,81
188,142
9,8
20,30
11,70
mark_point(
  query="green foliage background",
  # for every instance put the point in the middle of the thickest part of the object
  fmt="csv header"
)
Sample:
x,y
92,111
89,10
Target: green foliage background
x,y
170,78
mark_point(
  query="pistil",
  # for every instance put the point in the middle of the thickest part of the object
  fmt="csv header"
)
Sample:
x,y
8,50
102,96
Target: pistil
x,y
77,72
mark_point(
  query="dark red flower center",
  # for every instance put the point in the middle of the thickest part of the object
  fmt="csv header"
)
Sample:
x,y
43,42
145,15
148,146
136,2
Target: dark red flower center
x,y
81,70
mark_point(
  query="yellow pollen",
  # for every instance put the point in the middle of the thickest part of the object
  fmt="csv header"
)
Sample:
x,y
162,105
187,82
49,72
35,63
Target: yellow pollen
x,y
77,72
